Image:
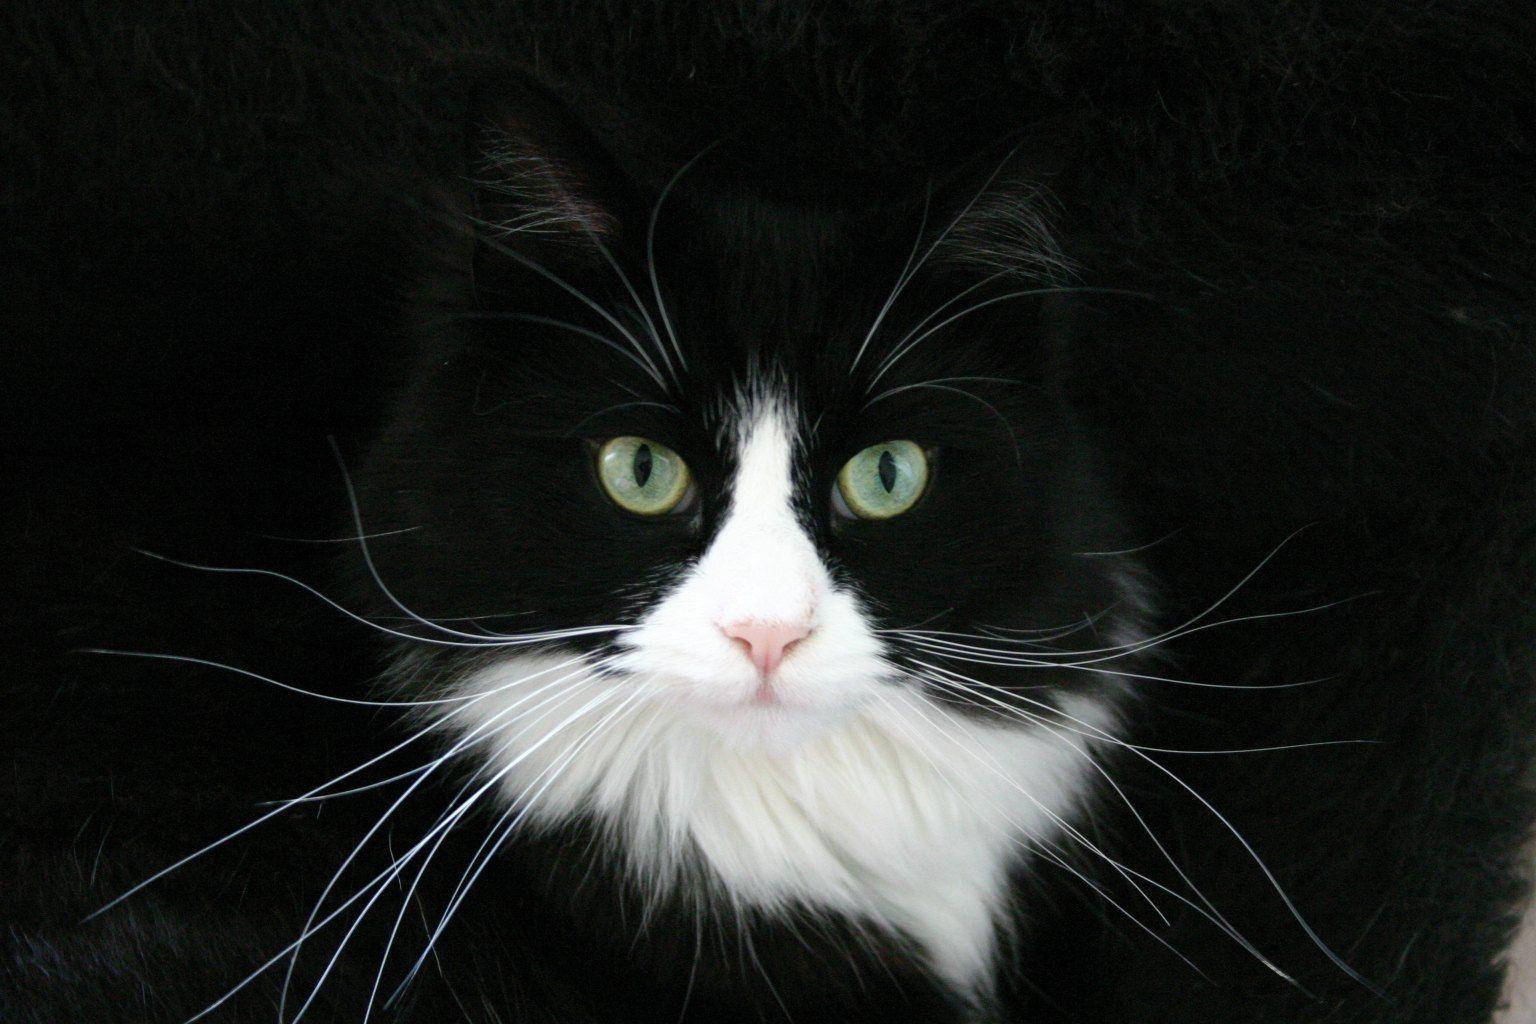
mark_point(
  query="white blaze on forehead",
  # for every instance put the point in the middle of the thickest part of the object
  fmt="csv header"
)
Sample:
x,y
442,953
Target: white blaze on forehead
x,y
762,566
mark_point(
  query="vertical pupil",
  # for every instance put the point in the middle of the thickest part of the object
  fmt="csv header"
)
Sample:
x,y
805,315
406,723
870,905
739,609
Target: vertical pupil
x,y
642,465
887,471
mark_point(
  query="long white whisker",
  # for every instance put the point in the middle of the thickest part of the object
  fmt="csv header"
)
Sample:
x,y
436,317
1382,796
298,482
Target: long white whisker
x,y
257,676
569,289
1122,673
524,802
1130,551
907,346
311,793
465,740
481,641
991,763
485,728
641,360
939,380
1018,448
293,946
1208,911
910,271
1236,834
644,313
1127,649
901,282
1145,643
1048,849
487,235
953,683
367,553
380,882
650,253
909,342
248,826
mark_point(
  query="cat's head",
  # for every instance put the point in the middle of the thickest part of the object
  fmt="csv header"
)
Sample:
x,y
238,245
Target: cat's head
x,y
747,465
754,522
747,439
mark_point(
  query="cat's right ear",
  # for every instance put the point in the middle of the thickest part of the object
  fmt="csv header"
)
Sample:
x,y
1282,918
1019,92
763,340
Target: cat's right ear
x,y
543,191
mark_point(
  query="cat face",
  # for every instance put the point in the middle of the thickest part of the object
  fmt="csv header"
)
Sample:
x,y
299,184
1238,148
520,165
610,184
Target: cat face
x,y
755,632
734,533
756,494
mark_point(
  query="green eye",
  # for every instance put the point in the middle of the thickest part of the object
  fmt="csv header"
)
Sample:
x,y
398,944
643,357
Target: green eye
x,y
642,476
883,480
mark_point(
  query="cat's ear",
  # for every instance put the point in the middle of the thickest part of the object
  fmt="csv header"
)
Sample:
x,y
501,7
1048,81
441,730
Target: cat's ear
x,y
542,187
996,234
999,219
1005,228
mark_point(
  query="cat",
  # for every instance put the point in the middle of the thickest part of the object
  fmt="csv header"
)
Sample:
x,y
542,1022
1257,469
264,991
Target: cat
x,y
741,527
756,579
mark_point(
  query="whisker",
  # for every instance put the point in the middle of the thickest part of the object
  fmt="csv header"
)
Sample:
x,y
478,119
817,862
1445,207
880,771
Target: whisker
x,y
1227,824
405,903
1131,551
524,803
650,252
254,823
444,824
642,361
905,345
1018,448
310,929
991,763
595,667
569,289
901,282
367,552
910,270
1186,627
908,343
488,232
1024,716
951,653
939,380
1038,844
349,613
640,306
1208,911
430,729
312,540
247,673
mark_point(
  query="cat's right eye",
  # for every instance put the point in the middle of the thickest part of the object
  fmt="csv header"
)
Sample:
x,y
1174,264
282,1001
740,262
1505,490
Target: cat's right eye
x,y
882,481
643,477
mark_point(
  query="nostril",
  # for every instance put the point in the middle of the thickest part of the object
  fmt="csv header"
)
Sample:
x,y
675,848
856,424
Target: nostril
x,y
766,643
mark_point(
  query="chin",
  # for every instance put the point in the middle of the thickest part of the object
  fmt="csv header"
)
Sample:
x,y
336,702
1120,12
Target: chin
x,y
777,727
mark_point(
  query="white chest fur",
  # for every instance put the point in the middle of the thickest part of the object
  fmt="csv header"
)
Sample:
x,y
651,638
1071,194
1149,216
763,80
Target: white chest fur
x,y
902,815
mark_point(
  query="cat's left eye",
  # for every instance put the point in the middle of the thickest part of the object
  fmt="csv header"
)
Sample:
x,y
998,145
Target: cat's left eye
x,y
643,477
882,481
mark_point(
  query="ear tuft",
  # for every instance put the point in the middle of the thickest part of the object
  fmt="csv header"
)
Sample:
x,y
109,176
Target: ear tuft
x,y
1006,229
526,187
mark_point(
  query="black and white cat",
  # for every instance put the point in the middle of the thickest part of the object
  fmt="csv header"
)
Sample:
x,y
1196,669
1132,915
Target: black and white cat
x,y
770,568
763,496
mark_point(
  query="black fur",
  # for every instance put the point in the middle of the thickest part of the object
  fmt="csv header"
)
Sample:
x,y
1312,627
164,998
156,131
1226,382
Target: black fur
x,y
225,244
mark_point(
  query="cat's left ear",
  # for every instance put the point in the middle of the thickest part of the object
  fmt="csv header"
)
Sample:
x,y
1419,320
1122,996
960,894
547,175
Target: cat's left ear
x,y
543,188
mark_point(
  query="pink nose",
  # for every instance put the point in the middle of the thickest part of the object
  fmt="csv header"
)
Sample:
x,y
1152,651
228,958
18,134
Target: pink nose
x,y
766,642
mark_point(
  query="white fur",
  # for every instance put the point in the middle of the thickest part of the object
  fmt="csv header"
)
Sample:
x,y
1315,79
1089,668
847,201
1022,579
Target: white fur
x,y
852,792
1517,1004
